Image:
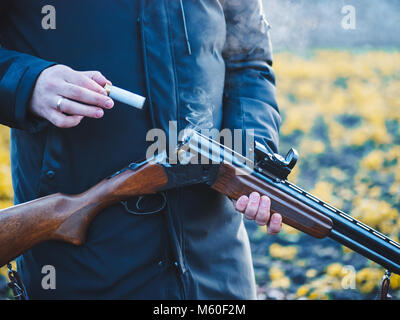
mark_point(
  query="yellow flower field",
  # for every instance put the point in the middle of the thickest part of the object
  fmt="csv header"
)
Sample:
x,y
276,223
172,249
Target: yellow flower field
x,y
341,111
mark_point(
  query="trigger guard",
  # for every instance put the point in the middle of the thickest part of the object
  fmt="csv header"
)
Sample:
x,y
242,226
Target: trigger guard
x,y
162,206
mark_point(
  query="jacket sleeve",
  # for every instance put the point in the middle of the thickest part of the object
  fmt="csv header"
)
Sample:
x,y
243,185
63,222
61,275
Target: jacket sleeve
x,y
18,74
249,96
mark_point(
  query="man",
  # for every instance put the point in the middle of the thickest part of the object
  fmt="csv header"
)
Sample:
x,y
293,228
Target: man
x,y
67,135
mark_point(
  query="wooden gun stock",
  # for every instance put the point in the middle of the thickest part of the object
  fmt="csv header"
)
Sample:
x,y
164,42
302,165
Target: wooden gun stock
x,y
235,182
67,217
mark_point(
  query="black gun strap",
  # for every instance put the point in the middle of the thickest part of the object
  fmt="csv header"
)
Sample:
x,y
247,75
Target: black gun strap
x,y
385,285
16,284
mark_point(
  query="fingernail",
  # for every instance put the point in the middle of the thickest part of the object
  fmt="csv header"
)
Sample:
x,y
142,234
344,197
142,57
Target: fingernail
x,y
276,219
264,203
99,113
254,197
109,103
242,200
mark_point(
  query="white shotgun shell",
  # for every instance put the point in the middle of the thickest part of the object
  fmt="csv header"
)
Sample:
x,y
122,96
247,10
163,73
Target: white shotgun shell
x,y
125,96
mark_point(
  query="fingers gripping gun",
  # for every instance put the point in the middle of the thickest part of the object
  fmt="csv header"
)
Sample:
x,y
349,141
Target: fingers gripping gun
x,y
63,217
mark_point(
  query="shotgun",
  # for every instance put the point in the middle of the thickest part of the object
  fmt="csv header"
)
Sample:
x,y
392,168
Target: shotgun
x,y
63,217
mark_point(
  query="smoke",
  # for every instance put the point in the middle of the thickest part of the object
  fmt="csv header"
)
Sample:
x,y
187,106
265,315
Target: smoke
x,y
199,109
302,24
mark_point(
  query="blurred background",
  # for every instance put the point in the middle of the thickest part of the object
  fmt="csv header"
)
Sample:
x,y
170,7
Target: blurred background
x,y
338,86
337,65
301,25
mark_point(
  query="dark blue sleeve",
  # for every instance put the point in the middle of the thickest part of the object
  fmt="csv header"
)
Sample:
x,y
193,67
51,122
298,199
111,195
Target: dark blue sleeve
x,y
249,97
18,74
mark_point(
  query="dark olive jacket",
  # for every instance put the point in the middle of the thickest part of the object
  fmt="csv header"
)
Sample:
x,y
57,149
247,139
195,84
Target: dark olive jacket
x,y
182,55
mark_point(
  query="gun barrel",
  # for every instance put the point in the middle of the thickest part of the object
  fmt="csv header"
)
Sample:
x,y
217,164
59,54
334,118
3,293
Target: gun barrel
x,y
352,233
374,252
